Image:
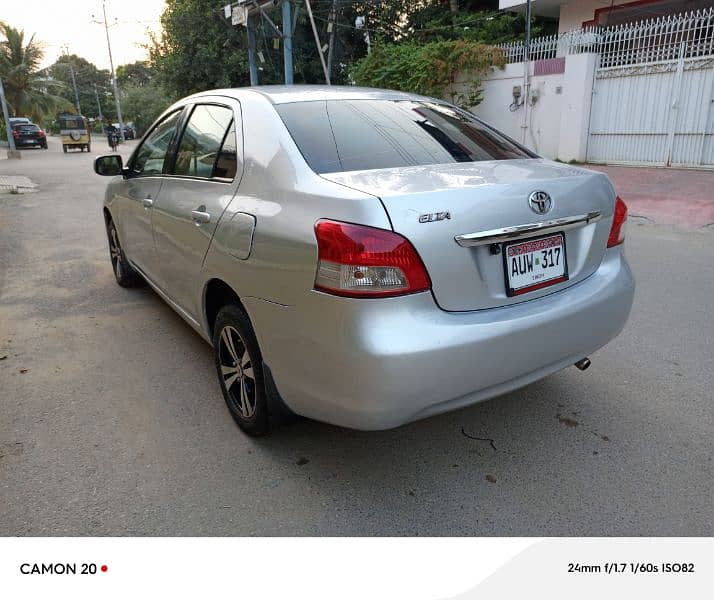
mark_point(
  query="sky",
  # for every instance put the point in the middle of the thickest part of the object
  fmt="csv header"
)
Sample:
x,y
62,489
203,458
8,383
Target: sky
x,y
69,23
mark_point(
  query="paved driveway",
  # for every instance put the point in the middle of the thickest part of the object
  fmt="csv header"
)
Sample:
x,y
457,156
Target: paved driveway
x,y
683,197
111,422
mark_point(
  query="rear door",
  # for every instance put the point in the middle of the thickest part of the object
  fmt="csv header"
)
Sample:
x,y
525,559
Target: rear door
x,y
196,191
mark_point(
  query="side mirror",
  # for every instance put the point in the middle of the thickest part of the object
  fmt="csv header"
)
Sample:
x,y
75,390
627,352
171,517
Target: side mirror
x,y
108,165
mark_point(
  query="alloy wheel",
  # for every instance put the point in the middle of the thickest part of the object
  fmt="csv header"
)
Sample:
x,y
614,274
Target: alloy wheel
x,y
115,250
237,372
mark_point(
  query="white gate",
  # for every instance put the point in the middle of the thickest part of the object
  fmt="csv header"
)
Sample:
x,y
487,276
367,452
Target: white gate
x,y
653,97
656,114
653,94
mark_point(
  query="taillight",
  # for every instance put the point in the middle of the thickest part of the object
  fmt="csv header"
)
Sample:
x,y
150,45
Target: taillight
x,y
617,231
366,262
15,134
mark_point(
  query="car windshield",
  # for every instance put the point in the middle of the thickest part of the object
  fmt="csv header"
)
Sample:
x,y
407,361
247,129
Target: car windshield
x,y
27,128
356,135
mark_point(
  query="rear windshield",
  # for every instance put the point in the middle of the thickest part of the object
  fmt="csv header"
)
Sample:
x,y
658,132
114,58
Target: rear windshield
x,y
357,135
27,128
71,123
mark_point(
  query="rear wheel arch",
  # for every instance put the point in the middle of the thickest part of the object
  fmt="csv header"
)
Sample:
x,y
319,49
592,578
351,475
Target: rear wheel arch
x,y
217,294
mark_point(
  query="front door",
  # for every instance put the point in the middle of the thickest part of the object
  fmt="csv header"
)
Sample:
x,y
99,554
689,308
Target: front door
x,y
142,190
196,191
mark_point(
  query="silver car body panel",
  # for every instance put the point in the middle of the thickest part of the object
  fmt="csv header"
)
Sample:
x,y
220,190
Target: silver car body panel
x,y
484,196
377,363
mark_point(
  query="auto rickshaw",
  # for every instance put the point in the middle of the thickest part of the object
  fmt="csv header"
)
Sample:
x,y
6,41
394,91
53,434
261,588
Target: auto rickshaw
x,y
75,132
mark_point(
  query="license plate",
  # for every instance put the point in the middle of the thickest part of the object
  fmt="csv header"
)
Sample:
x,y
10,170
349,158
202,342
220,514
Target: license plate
x,y
534,264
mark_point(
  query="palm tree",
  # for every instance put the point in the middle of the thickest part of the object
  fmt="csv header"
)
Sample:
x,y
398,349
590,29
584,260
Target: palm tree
x,y
28,92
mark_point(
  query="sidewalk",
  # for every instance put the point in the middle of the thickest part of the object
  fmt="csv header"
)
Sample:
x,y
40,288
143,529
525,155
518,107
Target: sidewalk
x,y
683,197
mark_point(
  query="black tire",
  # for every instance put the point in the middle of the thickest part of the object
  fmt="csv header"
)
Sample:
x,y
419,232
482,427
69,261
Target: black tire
x,y
236,361
89,147
124,273
64,148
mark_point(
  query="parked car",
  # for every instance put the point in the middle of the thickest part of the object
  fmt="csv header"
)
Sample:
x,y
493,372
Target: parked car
x,y
29,134
19,121
364,257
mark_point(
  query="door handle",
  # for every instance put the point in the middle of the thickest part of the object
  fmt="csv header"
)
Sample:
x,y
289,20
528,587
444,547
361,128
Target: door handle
x,y
147,202
200,216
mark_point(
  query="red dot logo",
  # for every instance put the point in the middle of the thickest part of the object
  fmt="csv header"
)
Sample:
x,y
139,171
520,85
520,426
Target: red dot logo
x,y
104,568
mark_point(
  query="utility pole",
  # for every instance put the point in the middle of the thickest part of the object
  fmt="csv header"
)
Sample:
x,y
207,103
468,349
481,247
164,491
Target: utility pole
x,y
12,151
114,77
252,53
76,93
288,42
317,41
332,30
454,7
360,24
99,104
251,12
74,81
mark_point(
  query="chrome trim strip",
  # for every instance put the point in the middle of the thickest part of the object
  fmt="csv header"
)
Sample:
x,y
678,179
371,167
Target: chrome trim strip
x,y
516,232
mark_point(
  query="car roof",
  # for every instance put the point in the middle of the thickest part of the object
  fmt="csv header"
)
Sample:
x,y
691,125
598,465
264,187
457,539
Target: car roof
x,y
284,94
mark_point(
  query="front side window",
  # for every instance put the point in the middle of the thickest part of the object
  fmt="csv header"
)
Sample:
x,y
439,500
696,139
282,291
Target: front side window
x,y
208,143
356,135
150,156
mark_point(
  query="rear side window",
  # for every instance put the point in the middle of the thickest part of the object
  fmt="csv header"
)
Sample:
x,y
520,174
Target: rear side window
x,y
227,160
208,142
356,135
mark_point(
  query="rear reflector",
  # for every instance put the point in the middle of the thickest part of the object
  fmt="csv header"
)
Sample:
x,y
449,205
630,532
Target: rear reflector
x,y
365,262
617,231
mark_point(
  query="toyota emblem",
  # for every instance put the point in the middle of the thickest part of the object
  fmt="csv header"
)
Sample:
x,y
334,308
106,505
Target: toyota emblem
x,y
540,202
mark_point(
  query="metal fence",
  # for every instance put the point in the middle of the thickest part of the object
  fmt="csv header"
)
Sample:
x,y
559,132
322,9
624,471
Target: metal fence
x,y
649,41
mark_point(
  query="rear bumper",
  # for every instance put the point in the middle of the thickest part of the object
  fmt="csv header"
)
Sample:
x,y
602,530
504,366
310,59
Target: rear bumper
x,y
376,364
25,143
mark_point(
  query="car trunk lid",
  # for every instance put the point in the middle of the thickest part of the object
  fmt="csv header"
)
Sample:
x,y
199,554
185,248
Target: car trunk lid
x,y
436,204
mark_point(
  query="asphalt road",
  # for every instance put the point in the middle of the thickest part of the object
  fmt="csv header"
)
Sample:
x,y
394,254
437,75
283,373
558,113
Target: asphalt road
x,y
118,427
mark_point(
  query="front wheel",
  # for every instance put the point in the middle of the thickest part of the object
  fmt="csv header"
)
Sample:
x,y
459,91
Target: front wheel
x,y
64,148
124,273
239,365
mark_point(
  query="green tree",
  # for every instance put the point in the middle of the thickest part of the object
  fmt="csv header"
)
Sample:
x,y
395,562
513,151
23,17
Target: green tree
x,y
142,104
199,49
92,84
430,69
29,92
136,73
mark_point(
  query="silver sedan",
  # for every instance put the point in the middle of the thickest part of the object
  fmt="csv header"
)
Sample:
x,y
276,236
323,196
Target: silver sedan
x,y
366,257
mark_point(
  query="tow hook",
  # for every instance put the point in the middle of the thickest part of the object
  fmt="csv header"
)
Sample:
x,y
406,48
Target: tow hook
x,y
583,363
